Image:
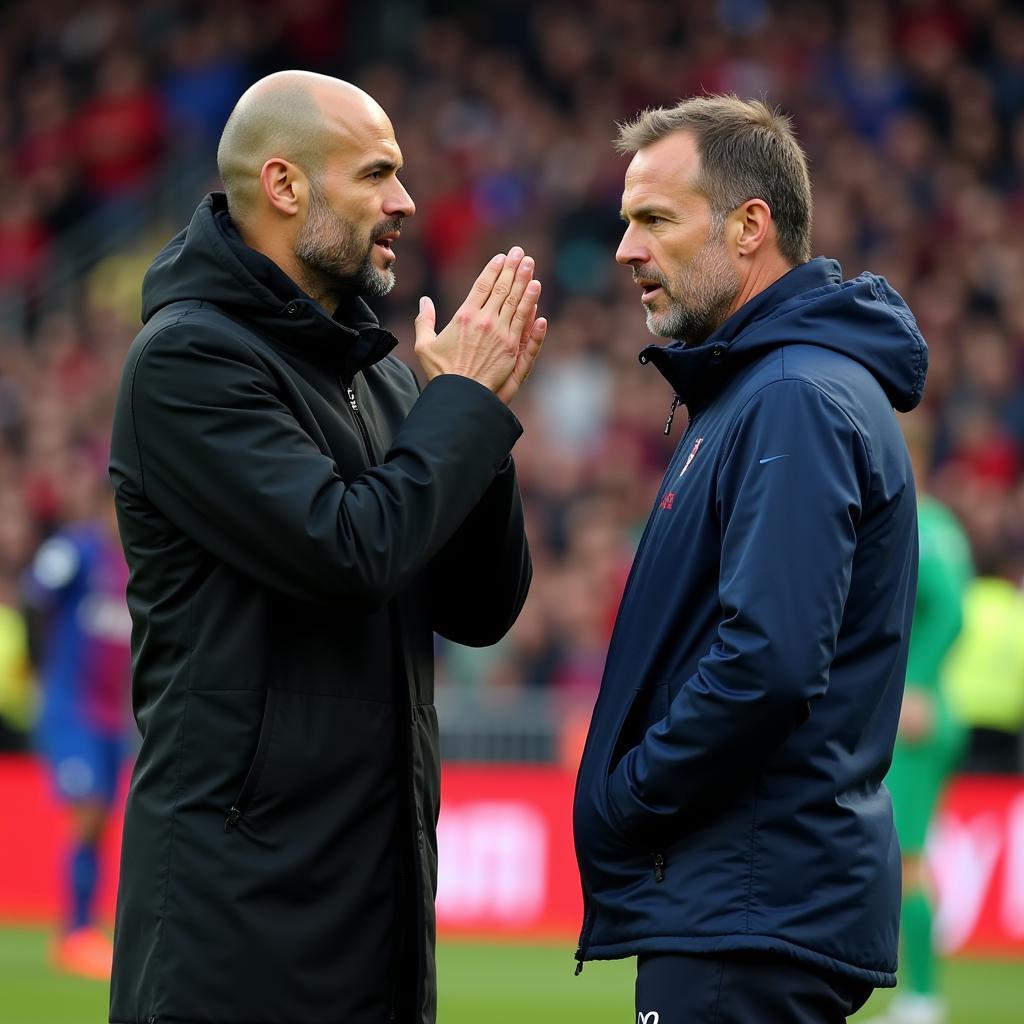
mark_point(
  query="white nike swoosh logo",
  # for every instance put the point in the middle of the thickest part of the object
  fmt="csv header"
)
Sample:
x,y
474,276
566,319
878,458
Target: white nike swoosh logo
x,y
773,458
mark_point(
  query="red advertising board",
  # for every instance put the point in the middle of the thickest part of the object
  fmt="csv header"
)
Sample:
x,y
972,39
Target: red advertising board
x,y
505,858
976,855
507,868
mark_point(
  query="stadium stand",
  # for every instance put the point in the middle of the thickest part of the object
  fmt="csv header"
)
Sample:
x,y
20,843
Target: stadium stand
x,y
912,113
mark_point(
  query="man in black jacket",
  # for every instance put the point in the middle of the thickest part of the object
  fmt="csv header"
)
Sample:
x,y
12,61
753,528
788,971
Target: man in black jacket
x,y
299,519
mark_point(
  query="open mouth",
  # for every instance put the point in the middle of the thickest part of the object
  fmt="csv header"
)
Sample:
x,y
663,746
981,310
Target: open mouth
x,y
385,241
650,290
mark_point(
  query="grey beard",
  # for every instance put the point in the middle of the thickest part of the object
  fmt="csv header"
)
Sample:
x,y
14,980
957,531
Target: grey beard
x,y
326,265
327,247
370,281
704,309
692,324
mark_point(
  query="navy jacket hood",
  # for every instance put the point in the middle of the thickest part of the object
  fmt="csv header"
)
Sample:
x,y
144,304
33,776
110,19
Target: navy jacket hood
x,y
863,318
209,261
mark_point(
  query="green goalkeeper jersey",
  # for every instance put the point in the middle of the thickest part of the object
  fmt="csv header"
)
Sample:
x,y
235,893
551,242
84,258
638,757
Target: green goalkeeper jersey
x,y
945,571
920,767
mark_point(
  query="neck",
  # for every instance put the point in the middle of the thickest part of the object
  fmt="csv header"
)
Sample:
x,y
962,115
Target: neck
x,y
761,275
320,287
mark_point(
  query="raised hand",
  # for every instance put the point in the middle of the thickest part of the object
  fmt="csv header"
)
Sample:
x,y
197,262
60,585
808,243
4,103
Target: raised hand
x,y
531,338
491,338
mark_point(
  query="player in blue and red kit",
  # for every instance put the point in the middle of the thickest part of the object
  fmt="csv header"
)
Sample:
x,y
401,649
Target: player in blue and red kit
x,y
75,592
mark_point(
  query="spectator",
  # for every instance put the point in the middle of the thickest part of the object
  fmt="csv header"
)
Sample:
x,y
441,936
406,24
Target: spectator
x,y
910,112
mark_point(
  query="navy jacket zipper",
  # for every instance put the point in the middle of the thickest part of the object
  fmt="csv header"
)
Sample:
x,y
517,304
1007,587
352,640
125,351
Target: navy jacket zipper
x,y
659,860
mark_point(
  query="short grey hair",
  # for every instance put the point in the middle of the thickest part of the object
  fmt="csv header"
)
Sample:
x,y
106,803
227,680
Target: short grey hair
x,y
277,117
747,151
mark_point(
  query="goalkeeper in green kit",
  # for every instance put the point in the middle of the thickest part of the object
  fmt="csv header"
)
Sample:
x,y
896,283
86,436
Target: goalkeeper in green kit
x,y
928,745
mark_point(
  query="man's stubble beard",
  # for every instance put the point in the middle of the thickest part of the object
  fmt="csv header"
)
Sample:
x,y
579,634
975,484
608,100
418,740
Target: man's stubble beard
x,y
335,259
699,297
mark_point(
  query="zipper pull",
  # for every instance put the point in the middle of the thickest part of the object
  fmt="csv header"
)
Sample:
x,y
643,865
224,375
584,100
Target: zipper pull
x,y
352,399
579,969
659,867
232,820
671,413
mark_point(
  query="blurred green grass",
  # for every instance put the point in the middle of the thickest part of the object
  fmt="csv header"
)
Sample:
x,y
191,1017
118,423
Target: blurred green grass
x,y
497,983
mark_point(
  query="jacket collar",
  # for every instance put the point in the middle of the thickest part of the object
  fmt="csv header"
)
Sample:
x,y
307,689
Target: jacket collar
x,y
347,342
697,374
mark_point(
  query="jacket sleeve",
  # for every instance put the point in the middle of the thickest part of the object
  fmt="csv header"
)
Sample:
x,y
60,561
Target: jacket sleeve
x,y
480,579
789,500
223,457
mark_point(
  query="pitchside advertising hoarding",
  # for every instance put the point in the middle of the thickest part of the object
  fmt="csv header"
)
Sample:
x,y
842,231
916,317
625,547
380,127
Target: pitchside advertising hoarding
x,y
507,868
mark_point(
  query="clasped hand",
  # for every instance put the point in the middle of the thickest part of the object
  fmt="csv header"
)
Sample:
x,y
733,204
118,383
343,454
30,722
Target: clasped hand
x,y
495,335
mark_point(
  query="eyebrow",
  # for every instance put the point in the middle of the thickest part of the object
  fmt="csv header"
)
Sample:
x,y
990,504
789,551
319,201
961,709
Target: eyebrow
x,y
383,164
645,211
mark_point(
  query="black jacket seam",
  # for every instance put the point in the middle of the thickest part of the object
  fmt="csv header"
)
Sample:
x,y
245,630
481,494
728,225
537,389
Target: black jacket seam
x,y
131,391
162,917
290,690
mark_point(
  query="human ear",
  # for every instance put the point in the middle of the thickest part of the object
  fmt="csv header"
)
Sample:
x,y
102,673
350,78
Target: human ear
x,y
751,223
282,185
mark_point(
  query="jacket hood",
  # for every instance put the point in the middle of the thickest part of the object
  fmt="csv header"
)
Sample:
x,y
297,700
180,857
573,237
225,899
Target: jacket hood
x,y
208,261
863,318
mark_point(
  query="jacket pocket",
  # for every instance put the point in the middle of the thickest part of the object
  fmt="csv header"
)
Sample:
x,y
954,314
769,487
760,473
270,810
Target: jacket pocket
x,y
648,706
258,762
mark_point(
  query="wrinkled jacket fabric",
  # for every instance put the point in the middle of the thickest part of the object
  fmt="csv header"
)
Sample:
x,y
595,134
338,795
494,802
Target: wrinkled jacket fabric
x,y
730,795
298,520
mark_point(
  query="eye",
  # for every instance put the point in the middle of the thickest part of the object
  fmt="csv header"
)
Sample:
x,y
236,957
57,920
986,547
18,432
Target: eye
x,y
653,220
375,175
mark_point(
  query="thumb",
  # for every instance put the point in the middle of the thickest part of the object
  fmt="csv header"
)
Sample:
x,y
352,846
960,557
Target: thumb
x,y
425,320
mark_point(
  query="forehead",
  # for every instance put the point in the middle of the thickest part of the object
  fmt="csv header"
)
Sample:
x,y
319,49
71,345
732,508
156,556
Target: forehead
x,y
359,129
663,171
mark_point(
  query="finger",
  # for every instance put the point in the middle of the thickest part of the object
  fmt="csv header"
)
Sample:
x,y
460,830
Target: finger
x,y
528,327
526,308
533,346
425,320
503,284
538,333
519,285
524,362
481,290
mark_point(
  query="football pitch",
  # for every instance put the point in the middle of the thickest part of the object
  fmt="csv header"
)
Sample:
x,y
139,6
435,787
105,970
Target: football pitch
x,y
497,983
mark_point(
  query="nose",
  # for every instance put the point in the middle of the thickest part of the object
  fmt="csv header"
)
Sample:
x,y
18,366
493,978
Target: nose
x,y
630,250
399,203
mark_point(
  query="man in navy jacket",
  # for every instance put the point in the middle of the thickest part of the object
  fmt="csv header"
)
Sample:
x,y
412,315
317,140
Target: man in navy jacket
x,y
732,828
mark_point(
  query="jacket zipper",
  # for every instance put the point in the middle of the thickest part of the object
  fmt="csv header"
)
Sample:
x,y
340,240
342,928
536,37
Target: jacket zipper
x,y
406,711
659,859
259,759
672,414
588,925
360,422
588,914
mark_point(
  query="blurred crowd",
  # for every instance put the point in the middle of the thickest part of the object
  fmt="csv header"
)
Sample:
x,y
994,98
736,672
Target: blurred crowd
x,y
911,112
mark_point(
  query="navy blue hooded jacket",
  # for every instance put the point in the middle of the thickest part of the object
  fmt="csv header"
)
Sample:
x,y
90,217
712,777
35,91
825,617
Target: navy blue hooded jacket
x,y
730,795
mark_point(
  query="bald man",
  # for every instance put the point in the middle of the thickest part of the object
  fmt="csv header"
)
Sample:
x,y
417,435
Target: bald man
x,y
299,518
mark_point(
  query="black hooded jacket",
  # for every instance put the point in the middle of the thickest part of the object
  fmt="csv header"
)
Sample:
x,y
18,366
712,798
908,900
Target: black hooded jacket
x,y
298,520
